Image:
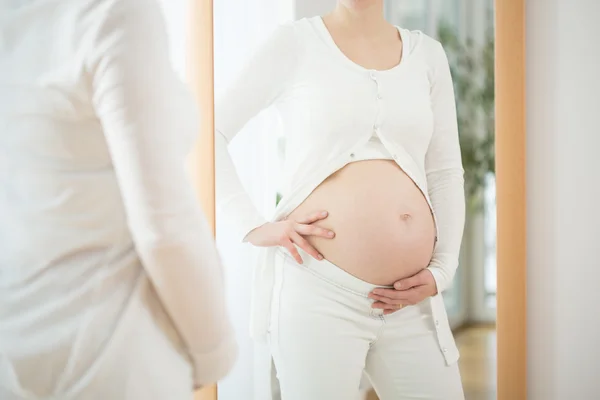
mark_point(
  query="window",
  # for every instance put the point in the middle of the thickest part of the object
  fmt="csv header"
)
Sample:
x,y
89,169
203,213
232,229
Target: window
x,y
489,268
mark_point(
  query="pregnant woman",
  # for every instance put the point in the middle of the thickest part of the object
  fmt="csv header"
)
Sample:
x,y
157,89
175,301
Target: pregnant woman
x,y
110,283
367,235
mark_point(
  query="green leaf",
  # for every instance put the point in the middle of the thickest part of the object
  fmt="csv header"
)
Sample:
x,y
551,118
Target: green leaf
x,y
472,69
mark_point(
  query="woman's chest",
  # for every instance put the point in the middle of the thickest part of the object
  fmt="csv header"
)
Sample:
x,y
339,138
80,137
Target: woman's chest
x,y
332,104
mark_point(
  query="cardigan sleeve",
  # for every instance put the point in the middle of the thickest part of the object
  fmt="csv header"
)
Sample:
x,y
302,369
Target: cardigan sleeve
x,y
263,79
149,121
444,172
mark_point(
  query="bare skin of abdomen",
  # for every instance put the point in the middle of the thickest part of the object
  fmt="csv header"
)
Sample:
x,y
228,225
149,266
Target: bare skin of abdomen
x,y
384,229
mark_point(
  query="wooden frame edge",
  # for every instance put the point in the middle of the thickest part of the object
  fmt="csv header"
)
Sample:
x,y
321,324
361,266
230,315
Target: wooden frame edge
x,y
200,73
511,200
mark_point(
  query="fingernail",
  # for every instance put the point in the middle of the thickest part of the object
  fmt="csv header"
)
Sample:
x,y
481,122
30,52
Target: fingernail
x,y
330,234
320,257
324,213
398,285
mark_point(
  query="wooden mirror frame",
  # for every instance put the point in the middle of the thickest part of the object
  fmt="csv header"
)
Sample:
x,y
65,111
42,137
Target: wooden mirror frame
x,y
510,176
511,242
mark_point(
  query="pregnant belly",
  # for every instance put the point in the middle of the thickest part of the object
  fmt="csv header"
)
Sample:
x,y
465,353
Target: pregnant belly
x,y
383,225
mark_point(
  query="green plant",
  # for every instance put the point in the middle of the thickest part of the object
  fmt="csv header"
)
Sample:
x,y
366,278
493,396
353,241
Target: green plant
x,y
472,70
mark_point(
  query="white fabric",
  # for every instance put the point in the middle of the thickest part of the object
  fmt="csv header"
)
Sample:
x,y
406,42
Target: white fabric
x,y
330,107
95,127
324,334
139,362
374,149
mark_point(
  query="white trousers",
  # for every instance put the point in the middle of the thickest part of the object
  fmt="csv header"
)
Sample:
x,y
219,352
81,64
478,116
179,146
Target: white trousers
x,y
324,335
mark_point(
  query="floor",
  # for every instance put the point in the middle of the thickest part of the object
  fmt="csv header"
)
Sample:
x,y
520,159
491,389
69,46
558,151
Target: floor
x,y
477,347
477,362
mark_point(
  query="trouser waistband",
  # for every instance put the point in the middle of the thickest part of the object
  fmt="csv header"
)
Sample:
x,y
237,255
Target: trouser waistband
x,y
330,273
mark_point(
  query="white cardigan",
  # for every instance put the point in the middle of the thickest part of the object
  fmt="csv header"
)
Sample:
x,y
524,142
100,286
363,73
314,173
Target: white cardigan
x,y
330,107
94,197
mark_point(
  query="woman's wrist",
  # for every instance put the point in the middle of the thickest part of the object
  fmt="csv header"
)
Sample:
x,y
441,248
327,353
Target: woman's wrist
x,y
246,238
212,365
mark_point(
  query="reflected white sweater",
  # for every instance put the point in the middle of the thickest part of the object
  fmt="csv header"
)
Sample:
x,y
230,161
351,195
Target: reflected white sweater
x,y
94,197
330,107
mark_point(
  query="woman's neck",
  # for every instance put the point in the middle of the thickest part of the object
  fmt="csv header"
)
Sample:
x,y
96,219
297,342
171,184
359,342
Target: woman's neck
x,y
367,20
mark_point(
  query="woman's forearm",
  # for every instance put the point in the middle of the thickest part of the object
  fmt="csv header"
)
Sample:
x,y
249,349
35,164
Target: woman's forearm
x,y
448,200
150,122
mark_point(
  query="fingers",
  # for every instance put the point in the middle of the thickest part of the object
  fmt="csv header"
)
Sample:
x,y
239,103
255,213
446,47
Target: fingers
x,y
304,245
291,248
391,294
409,282
389,302
388,307
313,217
290,239
395,297
312,230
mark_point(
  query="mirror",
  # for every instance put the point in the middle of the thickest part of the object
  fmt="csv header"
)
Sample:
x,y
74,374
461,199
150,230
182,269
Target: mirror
x,y
259,158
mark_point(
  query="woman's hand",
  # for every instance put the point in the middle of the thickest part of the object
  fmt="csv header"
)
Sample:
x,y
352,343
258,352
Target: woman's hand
x,y
406,292
290,234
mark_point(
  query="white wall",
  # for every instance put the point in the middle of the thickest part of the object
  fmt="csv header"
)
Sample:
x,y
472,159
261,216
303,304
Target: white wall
x,y
563,183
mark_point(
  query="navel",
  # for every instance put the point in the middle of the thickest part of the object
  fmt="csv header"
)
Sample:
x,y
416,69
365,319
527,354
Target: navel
x,y
405,217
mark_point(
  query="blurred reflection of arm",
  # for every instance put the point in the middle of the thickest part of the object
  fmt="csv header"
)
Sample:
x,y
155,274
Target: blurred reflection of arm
x,y
443,167
150,122
261,82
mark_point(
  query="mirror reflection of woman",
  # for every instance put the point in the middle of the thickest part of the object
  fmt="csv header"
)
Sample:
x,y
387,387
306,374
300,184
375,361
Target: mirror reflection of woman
x,y
367,235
